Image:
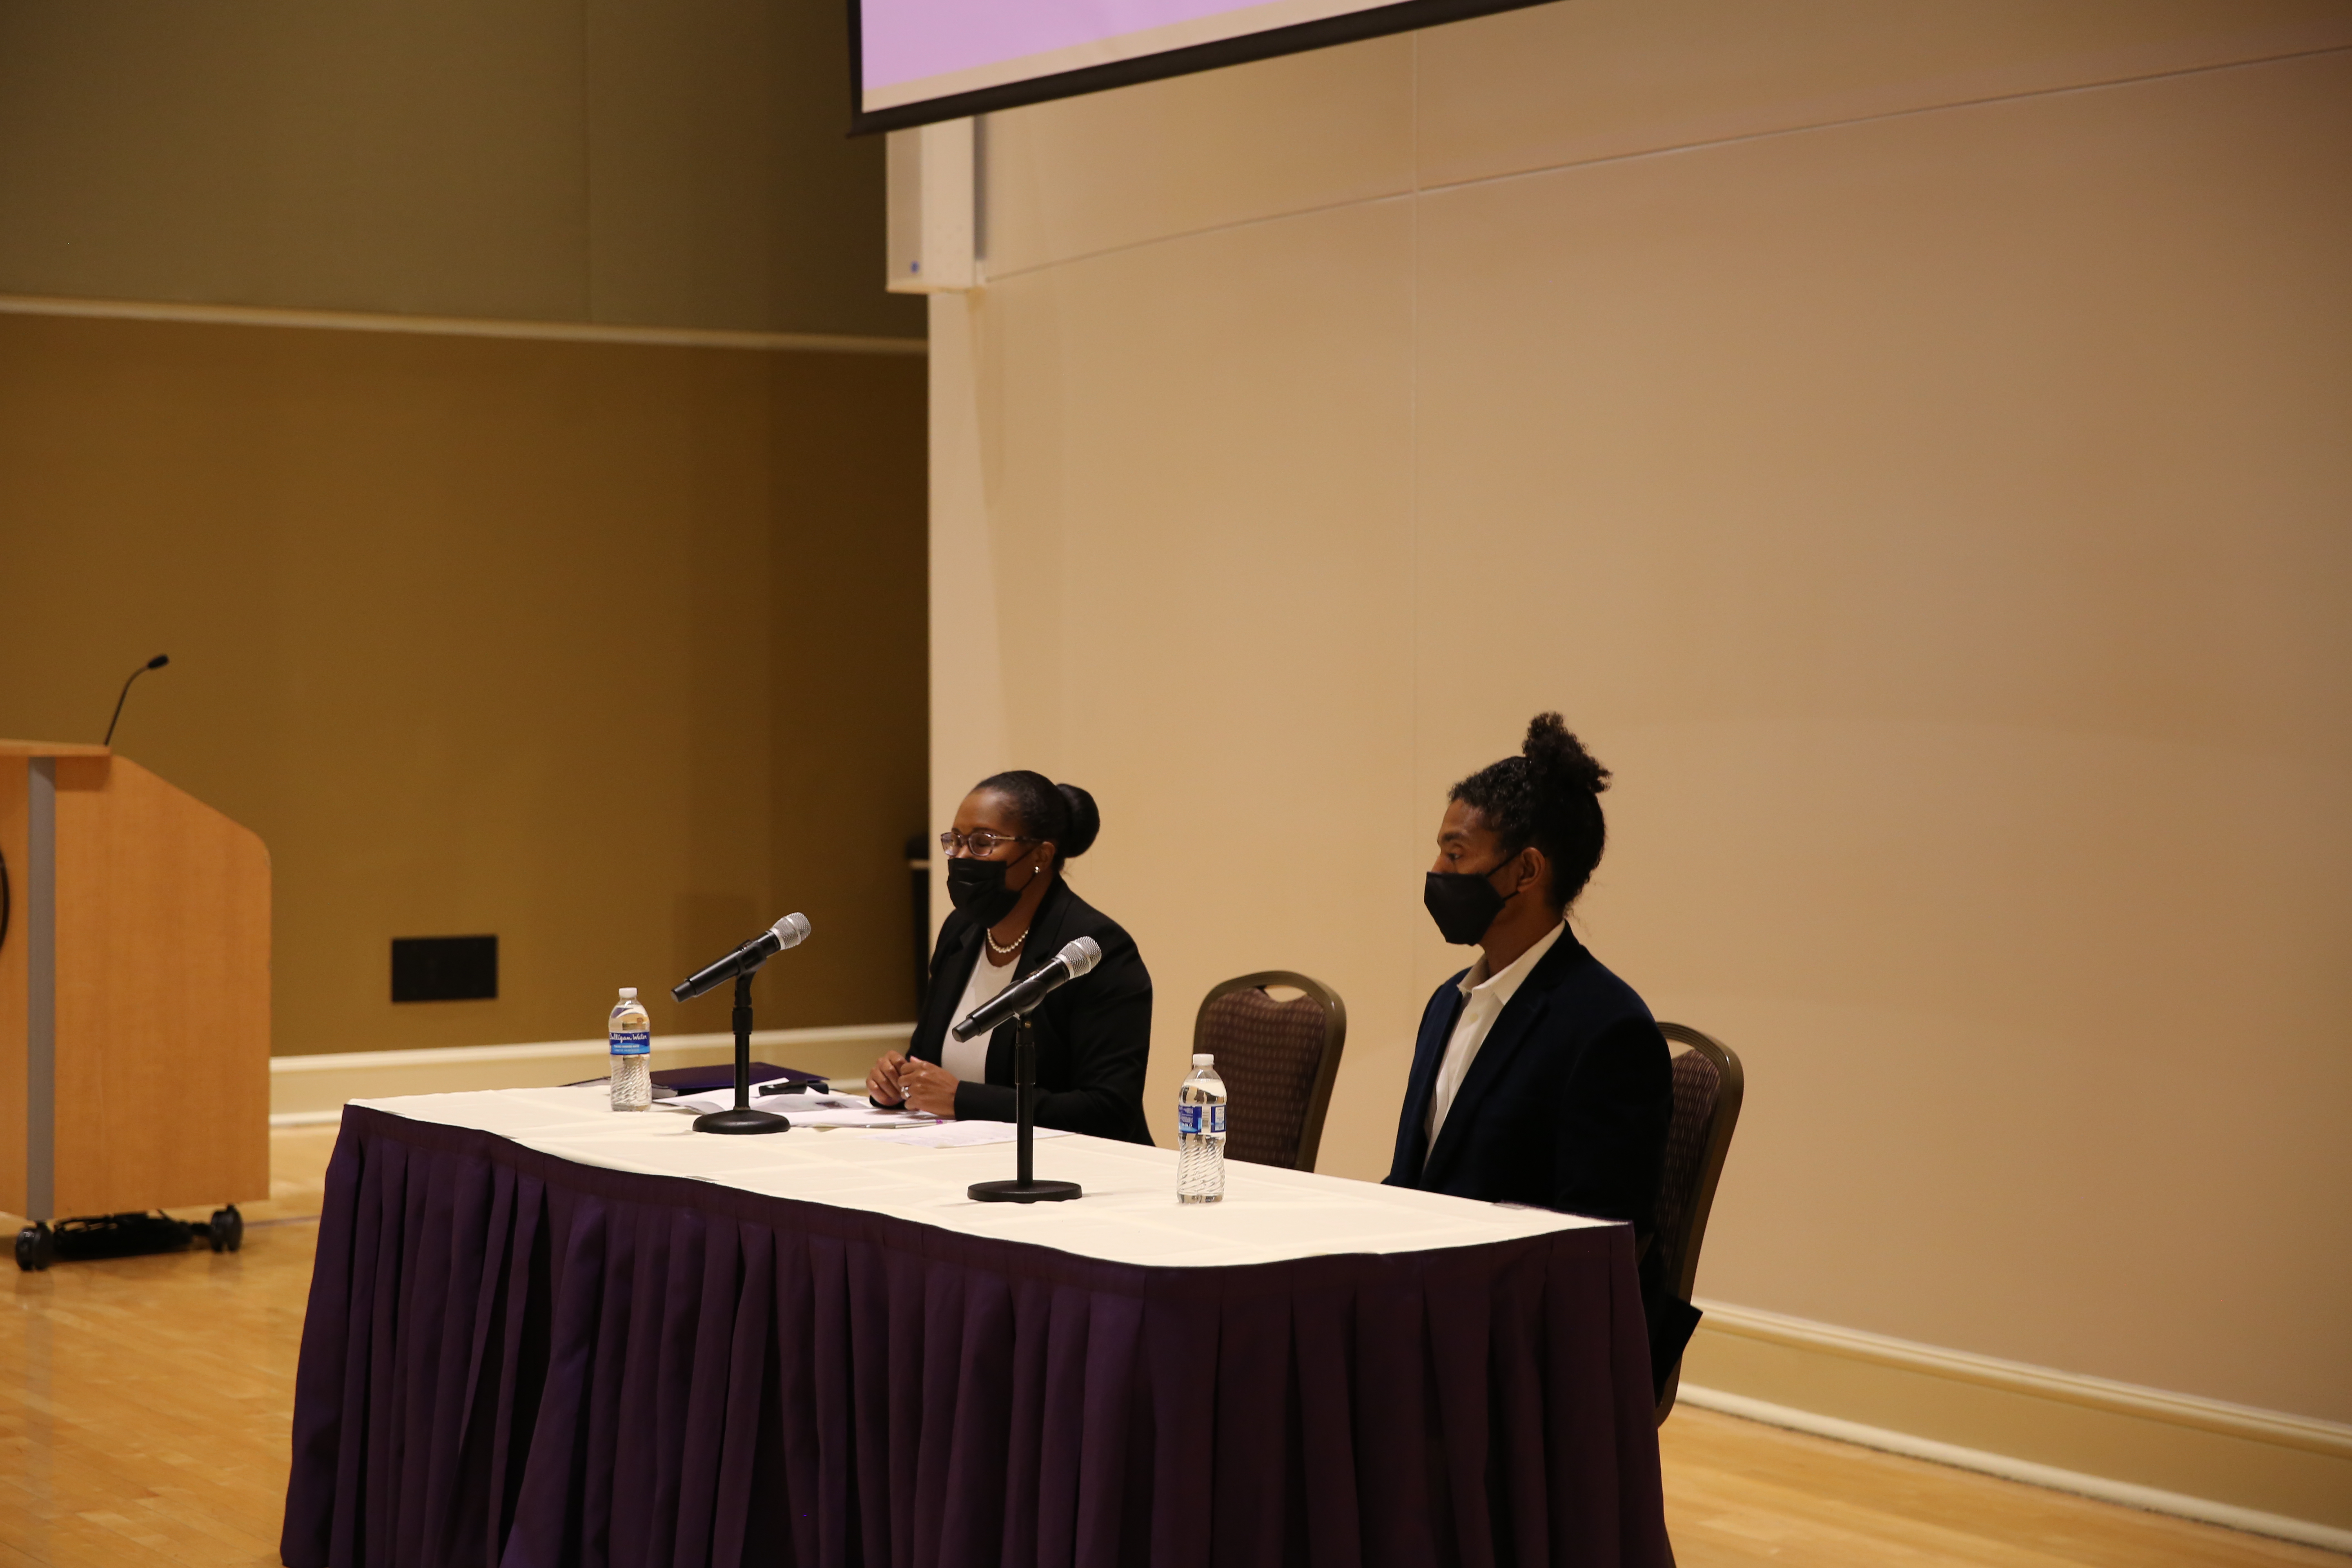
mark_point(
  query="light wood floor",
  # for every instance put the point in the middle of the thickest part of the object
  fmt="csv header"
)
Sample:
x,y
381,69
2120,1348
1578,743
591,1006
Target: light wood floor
x,y
144,1402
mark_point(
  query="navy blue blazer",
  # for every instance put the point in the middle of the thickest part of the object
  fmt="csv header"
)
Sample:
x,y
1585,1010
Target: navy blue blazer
x,y
1565,1107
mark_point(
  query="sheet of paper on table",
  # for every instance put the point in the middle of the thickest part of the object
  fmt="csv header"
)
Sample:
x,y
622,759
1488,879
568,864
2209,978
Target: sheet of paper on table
x,y
806,1110
960,1134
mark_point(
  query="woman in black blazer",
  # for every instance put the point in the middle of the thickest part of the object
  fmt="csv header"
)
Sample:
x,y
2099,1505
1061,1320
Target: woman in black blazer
x,y
1013,911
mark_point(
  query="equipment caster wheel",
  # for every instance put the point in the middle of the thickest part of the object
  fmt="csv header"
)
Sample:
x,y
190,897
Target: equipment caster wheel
x,y
226,1231
37,1248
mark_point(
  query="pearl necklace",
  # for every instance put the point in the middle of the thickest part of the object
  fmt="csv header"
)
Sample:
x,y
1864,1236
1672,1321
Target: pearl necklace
x,y
1004,952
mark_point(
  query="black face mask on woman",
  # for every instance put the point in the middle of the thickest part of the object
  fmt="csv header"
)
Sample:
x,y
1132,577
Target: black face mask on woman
x,y
977,889
1462,903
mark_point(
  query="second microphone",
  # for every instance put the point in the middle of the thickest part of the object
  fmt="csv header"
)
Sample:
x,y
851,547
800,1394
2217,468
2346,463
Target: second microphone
x,y
1076,959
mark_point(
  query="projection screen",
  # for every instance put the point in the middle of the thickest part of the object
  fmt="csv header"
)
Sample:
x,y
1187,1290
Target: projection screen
x,y
914,61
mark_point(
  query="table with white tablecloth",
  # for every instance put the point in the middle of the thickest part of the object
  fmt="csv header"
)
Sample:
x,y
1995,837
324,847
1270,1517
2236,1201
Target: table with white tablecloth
x,y
542,1331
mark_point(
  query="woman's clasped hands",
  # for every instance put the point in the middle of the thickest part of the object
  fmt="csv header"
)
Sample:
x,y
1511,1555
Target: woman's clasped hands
x,y
898,1078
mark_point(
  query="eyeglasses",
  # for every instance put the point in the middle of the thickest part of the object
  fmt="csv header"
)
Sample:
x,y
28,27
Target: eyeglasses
x,y
980,844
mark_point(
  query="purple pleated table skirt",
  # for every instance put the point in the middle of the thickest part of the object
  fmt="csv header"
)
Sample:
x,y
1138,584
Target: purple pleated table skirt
x,y
512,1358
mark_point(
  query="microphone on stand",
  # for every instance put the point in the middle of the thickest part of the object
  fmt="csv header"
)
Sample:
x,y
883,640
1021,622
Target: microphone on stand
x,y
789,932
1066,965
739,966
1019,1002
158,662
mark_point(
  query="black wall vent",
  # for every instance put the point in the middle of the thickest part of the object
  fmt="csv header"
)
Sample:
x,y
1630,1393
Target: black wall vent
x,y
445,968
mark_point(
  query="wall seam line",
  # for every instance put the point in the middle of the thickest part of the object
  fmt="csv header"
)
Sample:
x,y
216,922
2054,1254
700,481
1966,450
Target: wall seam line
x,y
587,165
1415,190
1916,112
1412,446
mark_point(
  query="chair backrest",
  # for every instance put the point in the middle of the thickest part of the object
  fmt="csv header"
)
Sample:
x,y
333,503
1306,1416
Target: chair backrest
x,y
1279,1060
1708,1087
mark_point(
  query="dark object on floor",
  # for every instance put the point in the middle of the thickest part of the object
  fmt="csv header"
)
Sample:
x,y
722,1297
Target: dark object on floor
x,y
124,1236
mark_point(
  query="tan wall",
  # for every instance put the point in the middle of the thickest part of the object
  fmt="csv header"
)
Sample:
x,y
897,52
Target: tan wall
x,y
614,651
1907,440
570,160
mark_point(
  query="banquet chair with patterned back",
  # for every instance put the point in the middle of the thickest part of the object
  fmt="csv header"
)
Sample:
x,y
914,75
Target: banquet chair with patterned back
x,y
1277,1059
1708,1085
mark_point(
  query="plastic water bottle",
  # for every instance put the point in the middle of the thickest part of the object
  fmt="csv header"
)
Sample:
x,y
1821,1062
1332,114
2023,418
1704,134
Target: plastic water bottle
x,y
1201,1134
633,1046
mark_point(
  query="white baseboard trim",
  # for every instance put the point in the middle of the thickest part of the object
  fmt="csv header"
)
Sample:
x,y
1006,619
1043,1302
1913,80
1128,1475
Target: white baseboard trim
x,y
2149,1498
310,1090
2274,1426
2267,1471
457,326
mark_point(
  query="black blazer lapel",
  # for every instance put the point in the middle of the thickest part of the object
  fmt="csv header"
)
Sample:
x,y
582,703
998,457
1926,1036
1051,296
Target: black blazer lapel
x,y
1437,1021
1504,1037
1527,1008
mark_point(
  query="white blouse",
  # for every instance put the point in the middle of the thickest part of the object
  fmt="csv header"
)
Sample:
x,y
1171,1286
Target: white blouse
x,y
968,1059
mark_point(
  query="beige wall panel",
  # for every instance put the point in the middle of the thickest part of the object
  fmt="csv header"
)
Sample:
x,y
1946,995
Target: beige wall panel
x,y
1935,519
663,99
1603,78
1093,173
1937,524
848,643
422,158
1198,585
567,160
722,191
478,636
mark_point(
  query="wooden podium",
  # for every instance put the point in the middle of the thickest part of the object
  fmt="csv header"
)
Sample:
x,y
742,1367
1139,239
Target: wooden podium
x,y
134,991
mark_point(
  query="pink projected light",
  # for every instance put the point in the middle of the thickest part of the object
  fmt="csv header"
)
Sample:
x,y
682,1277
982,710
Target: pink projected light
x,y
907,40
923,61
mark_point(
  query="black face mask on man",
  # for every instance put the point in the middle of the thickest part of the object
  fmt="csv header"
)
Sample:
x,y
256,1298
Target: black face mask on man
x,y
977,889
1464,903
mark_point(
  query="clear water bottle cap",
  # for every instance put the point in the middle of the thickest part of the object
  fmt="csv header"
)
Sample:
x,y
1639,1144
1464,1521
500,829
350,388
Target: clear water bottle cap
x,y
628,993
1203,1060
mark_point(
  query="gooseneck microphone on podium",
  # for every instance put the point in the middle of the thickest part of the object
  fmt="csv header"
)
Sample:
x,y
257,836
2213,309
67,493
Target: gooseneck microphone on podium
x,y
739,966
158,662
1020,1001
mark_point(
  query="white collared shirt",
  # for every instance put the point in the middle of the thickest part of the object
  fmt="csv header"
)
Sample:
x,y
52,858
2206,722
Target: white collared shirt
x,y
1483,998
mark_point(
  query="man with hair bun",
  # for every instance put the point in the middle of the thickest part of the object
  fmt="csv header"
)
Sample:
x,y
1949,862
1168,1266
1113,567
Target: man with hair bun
x,y
1538,1077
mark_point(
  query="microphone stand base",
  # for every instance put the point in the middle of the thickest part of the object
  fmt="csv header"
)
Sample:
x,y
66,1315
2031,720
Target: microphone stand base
x,y
740,1121
1023,1192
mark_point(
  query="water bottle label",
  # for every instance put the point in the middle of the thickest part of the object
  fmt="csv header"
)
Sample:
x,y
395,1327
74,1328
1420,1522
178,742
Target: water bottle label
x,y
1190,1120
632,1043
